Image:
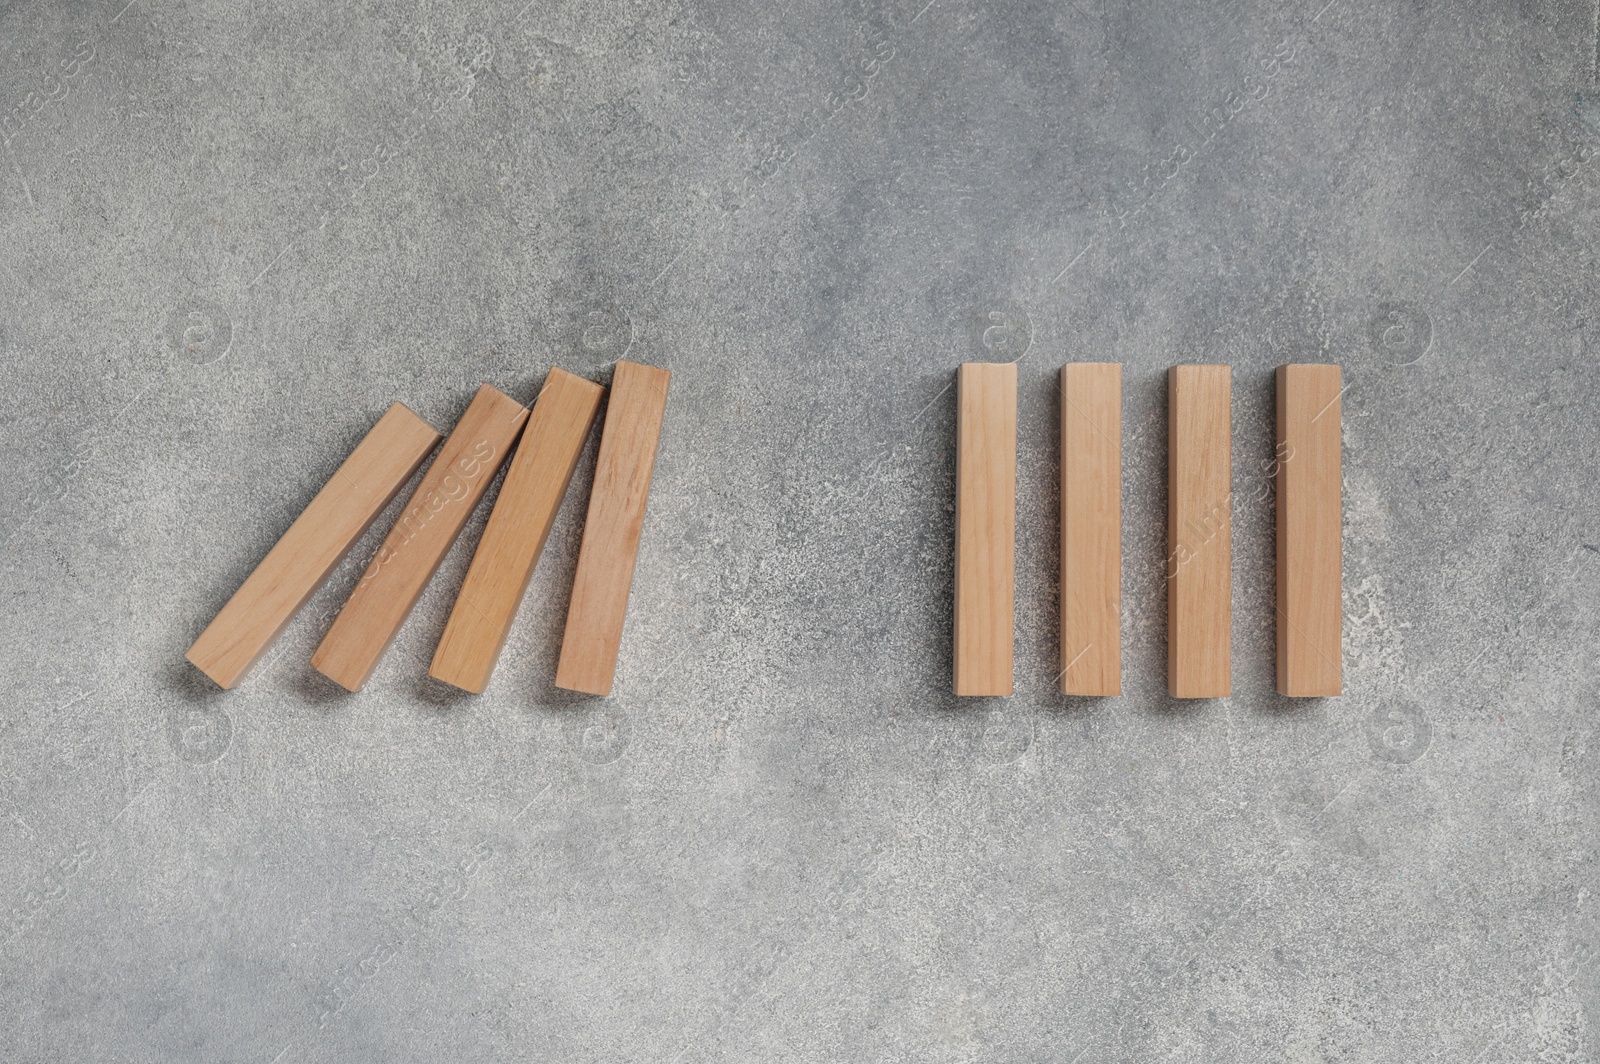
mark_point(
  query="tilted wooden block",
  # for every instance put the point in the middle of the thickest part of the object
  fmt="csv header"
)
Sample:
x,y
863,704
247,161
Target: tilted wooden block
x,y
1199,532
317,541
1091,528
419,541
611,531
1310,558
986,514
535,484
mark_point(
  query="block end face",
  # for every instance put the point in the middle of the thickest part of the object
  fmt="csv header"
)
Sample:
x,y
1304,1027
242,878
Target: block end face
x,y
584,685
343,677
470,648
1092,690
1310,690
401,410
991,687
489,394
653,374
459,678
1003,373
223,678
563,380
1199,690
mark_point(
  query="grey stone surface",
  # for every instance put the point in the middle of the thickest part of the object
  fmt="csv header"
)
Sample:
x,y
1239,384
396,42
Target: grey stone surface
x,y
229,239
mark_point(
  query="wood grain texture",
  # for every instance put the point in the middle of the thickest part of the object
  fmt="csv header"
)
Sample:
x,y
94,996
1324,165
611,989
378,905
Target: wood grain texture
x,y
432,519
1091,528
537,481
627,459
986,518
1310,529
1199,532
387,457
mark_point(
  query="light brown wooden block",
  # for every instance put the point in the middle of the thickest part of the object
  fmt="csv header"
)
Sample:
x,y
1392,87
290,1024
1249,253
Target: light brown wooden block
x,y
1199,532
418,542
611,531
1310,559
986,517
317,541
1091,528
535,484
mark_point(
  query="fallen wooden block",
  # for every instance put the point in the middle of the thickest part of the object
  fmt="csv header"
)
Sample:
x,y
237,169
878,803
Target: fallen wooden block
x,y
1199,532
1091,528
1310,560
301,560
537,481
986,513
611,531
419,541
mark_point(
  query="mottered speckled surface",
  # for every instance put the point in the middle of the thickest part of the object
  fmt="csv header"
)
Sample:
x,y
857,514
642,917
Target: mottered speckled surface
x,y
229,238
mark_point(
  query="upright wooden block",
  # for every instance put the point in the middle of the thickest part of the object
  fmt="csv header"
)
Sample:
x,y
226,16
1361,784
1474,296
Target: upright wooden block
x,y
317,541
1199,532
611,531
534,487
1310,560
986,517
1091,528
418,542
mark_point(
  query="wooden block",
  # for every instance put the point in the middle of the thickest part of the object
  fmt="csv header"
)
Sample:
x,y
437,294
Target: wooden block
x,y
611,531
1199,532
1091,528
418,542
317,541
1310,560
535,484
986,516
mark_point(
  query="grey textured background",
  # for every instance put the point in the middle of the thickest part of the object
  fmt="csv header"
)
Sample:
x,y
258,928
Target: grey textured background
x,y
229,240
